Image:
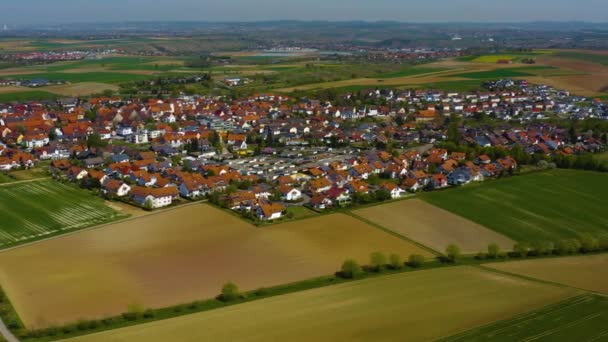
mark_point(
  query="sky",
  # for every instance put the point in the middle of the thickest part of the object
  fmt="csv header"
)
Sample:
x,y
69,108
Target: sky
x,y
66,11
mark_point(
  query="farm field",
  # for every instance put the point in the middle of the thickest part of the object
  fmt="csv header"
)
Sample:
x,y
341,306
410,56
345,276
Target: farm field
x,y
406,306
34,209
582,318
433,226
178,256
534,207
80,89
585,272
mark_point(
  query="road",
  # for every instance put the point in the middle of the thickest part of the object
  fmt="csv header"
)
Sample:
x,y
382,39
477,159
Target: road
x,y
8,335
25,181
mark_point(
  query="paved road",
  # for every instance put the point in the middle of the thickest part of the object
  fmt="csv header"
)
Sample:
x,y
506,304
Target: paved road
x,y
8,335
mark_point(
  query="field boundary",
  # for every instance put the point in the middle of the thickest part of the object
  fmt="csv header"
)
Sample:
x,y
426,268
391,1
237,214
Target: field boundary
x,y
386,230
567,302
178,310
127,217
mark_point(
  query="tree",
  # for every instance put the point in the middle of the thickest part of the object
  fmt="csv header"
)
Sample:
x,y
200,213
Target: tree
x,y
395,261
589,244
542,247
415,260
148,204
493,250
230,292
377,261
94,140
452,252
350,269
521,249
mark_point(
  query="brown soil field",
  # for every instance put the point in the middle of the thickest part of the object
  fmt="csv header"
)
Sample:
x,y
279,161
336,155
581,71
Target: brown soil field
x,y
591,78
19,71
12,89
433,226
80,89
177,256
414,306
585,272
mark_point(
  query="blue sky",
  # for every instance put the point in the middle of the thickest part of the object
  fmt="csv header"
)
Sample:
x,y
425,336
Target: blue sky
x,y
54,11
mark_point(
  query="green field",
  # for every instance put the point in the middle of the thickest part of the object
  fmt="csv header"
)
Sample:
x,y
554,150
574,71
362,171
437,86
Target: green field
x,y
411,306
28,95
35,209
587,57
102,77
544,206
503,73
411,72
583,318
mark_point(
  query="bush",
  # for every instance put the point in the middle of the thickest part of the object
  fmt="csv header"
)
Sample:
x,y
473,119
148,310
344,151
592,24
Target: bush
x,y
395,261
452,253
542,248
589,244
415,260
521,249
82,325
149,313
262,291
350,269
230,292
377,261
480,256
603,243
493,251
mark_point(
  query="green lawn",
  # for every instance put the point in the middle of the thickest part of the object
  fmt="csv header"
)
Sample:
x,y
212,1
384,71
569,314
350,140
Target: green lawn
x,y
300,212
583,318
32,210
544,206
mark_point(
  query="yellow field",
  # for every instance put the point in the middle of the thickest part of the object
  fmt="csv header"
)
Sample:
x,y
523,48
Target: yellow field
x,y
433,226
175,257
417,306
585,272
494,58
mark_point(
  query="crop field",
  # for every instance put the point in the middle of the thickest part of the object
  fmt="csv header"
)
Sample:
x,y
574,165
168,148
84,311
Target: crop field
x,y
585,272
81,89
415,306
178,256
433,226
34,209
26,95
535,207
583,318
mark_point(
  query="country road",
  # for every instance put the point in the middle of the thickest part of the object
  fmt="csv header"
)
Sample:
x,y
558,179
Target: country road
x,y
24,181
8,335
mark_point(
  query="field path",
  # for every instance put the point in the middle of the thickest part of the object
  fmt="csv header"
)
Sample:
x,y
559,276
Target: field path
x,y
24,181
7,334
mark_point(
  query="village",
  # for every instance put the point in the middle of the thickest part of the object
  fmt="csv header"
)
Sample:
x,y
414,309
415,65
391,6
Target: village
x,y
263,154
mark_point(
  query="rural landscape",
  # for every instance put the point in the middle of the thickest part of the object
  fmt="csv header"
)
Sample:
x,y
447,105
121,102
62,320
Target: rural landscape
x,y
201,175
